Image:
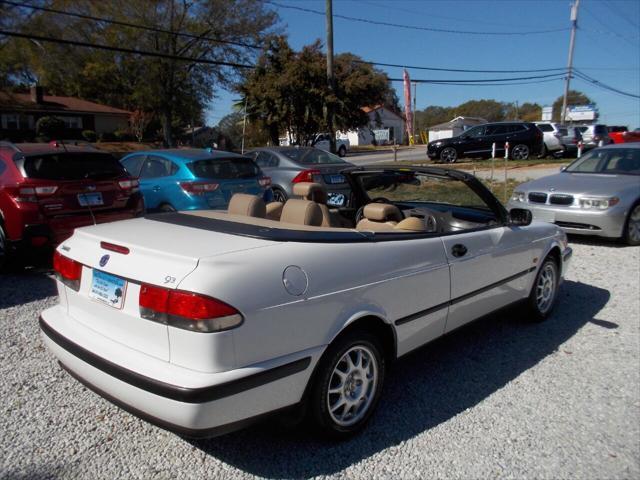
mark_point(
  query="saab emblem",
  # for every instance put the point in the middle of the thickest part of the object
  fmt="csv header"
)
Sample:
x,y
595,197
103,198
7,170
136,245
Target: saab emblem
x,y
104,260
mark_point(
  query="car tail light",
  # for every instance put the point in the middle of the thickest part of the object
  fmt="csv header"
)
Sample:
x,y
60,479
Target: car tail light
x,y
198,188
187,310
114,248
129,184
67,270
31,193
264,181
305,176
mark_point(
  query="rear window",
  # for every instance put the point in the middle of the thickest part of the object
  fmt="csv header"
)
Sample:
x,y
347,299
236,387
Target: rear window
x,y
600,129
563,131
224,168
312,156
73,166
545,127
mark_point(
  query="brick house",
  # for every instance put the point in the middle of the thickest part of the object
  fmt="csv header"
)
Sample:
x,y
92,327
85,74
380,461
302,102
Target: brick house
x,y
19,113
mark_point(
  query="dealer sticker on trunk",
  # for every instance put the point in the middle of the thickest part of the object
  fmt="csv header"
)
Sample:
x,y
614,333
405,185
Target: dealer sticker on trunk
x,y
108,289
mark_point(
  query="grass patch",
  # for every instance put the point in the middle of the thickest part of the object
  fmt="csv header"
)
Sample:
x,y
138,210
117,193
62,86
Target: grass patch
x,y
468,164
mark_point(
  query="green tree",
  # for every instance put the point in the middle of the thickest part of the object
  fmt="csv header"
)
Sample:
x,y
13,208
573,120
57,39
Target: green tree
x,y
530,112
433,115
176,91
490,110
288,91
574,97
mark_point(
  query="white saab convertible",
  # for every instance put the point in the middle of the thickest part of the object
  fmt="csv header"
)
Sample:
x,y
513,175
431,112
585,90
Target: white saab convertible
x,y
202,321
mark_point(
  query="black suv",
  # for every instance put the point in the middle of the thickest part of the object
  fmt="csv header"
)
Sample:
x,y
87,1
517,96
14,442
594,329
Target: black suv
x,y
525,141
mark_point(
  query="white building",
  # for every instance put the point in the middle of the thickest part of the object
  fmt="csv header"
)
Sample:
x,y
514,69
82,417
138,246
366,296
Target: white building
x,y
453,127
385,125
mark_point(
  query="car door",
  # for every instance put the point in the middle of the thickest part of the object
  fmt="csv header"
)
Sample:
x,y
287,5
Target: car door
x,y
153,181
471,142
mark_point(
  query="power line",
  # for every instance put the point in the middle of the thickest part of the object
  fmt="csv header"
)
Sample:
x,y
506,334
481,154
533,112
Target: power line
x,y
438,69
487,80
144,53
128,24
413,27
430,82
584,77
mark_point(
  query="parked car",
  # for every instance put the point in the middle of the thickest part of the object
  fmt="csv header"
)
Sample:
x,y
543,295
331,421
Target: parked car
x,y
593,135
571,140
623,135
553,135
323,142
290,165
525,140
47,190
597,194
202,321
194,179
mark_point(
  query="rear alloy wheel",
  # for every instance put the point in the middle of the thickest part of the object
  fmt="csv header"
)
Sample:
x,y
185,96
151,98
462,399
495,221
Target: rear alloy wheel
x,y
545,290
520,152
279,195
348,384
632,228
342,151
167,208
544,152
3,249
449,155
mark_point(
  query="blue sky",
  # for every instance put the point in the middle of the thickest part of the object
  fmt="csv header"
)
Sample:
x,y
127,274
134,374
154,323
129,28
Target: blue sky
x,y
607,47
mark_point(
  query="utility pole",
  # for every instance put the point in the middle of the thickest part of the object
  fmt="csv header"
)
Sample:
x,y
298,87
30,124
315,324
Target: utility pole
x,y
330,77
572,41
244,123
413,119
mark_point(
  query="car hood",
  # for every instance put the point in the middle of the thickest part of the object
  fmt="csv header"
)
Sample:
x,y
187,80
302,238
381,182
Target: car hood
x,y
582,183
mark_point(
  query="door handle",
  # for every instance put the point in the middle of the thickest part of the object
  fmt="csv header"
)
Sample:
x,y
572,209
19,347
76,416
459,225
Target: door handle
x,y
156,188
458,250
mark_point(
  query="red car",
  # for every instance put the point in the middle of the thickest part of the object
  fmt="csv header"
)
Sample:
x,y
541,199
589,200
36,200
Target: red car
x,y
47,190
622,135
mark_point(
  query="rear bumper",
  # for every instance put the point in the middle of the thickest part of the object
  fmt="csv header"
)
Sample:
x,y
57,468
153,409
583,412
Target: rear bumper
x,y
194,404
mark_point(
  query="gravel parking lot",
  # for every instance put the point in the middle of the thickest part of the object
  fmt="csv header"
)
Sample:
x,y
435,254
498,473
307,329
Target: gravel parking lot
x,y
499,398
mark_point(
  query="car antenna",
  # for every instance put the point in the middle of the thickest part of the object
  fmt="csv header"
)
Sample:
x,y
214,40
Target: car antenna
x,y
93,217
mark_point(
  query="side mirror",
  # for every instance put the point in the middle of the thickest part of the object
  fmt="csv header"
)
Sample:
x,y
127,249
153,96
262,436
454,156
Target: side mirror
x,y
520,217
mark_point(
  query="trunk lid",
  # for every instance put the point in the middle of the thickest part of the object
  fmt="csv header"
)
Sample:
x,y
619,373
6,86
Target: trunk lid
x,y
160,253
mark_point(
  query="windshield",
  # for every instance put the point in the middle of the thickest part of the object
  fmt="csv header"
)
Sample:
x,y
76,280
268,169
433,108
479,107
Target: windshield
x,y
73,166
224,168
416,187
610,161
311,156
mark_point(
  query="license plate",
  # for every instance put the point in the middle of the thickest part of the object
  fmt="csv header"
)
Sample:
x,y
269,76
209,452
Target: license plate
x,y
335,199
334,179
544,216
90,199
107,288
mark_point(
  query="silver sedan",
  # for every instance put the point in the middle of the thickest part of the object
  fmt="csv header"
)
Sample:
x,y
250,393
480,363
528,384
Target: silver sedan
x,y
598,194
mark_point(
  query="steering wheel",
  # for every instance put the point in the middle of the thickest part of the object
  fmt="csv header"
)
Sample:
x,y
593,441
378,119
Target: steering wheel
x,y
360,211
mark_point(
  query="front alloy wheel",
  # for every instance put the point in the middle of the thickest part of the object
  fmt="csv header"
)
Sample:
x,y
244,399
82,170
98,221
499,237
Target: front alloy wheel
x,y
449,155
545,290
632,232
520,152
348,384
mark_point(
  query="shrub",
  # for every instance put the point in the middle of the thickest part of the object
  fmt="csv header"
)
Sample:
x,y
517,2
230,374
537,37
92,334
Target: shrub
x,y
50,127
122,136
106,137
89,135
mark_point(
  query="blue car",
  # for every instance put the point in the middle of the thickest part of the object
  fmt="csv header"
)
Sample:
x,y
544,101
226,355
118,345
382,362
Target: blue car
x,y
193,179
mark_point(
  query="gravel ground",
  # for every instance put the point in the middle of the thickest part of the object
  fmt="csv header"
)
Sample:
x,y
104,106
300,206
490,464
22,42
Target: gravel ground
x,y
500,398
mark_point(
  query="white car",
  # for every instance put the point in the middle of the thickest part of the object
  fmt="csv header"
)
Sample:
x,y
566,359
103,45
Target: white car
x,y
322,141
553,136
202,321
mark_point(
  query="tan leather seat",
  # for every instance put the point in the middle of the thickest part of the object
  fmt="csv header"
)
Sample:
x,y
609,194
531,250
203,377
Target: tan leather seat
x,y
248,205
316,193
302,212
411,224
274,210
379,217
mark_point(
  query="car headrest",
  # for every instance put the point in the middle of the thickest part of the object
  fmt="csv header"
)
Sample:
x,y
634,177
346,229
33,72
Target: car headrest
x,y
310,191
248,205
412,224
301,212
382,212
